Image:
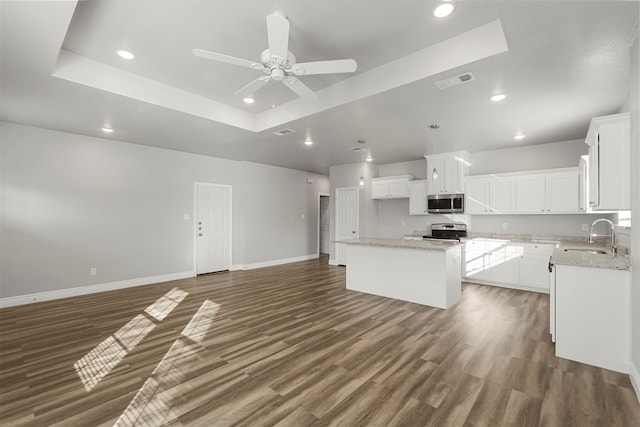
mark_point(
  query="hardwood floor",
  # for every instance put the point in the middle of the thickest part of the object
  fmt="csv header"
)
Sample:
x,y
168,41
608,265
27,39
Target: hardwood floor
x,y
290,346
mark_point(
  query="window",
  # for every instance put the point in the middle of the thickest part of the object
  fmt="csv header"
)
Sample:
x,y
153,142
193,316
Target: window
x,y
624,218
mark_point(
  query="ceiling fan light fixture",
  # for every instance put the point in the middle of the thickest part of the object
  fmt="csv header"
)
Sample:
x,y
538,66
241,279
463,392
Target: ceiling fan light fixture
x,y
125,54
443,9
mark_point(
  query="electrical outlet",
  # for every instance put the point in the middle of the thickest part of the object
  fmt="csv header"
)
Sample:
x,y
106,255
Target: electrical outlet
x,y
301,216
93,271
401,223
186,216
585,227
505,225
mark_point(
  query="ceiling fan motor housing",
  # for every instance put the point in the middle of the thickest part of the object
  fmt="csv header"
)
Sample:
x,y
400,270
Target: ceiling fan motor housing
x,y
272,61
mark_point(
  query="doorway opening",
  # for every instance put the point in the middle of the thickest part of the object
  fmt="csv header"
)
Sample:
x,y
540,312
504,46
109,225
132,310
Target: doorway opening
x,y
323,223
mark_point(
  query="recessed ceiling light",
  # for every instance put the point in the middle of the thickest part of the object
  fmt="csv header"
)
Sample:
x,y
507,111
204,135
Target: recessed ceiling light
x,y
498,97
249,100
107,130
125,54
308,142
443,9
519,136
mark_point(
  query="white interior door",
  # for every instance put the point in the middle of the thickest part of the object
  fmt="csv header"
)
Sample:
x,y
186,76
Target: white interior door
x,y
324,224
346,220
213,228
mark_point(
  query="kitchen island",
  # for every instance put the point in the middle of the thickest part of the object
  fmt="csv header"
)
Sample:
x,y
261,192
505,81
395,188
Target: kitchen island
x,y
423,272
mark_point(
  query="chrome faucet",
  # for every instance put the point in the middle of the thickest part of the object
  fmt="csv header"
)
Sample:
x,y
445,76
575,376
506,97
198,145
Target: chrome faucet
x,y
614,248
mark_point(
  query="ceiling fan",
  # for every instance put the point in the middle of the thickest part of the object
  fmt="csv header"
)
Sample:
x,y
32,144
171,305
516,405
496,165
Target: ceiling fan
x,y
279,64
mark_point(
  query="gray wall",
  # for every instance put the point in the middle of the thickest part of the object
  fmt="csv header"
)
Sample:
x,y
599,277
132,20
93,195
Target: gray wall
x,y
542,156
634,107
72,202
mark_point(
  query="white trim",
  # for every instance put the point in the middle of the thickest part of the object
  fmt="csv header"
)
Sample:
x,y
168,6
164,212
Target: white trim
x,y
274,262
195,225
505,285
333,261
91,289
634,376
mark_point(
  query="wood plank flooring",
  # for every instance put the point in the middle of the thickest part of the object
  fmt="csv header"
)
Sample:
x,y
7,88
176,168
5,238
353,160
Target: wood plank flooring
x,y
290,346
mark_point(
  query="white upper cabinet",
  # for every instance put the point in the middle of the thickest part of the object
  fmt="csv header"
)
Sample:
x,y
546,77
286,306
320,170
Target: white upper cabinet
x,y
391,187
446,172
490,195
609,141
555,191
418,197
502,195
476,195
549,193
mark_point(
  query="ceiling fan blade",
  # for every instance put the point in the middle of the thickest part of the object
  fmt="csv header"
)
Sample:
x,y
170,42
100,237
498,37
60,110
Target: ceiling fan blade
x,y
253,86
299,88
325,67
227,59
278,33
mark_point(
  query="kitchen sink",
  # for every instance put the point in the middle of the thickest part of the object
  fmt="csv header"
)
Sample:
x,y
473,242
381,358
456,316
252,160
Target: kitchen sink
x,y
586,250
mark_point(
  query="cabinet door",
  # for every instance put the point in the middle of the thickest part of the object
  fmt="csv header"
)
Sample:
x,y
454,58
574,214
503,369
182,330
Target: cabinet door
x,y
530,194
502,194
398,188
379,189
477,196
534,272
503,265
563,192
418,198
452,174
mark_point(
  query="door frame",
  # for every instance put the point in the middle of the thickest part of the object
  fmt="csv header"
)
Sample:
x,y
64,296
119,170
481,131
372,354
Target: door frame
x,y
195,224
320,196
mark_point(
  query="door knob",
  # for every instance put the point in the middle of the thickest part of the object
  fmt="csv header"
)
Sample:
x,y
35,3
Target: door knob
x,y
200,234
353,232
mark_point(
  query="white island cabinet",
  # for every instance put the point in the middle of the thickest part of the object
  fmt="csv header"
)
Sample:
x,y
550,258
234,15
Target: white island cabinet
x,y
422,272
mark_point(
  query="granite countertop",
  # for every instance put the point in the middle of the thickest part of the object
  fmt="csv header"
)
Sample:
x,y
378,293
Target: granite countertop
x,y
589,259
620,261
401,243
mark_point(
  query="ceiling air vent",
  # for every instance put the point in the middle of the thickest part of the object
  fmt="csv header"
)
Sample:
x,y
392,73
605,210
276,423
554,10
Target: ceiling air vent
x,y
284,131
455,81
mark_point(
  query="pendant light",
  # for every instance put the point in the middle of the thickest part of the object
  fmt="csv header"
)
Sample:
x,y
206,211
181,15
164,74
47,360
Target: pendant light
x,y
361,143
434,172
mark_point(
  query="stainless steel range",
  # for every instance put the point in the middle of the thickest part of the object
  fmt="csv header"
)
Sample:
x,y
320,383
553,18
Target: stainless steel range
x,y
447,231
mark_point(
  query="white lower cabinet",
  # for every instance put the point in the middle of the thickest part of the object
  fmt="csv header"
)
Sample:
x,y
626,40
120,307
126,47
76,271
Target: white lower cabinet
x,y
502,263
592,316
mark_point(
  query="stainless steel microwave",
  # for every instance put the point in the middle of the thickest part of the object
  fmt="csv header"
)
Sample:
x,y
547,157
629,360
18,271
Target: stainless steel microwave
x,y
445,203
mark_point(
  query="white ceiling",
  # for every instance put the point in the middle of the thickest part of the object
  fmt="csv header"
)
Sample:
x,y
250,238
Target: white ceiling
x,y
560,63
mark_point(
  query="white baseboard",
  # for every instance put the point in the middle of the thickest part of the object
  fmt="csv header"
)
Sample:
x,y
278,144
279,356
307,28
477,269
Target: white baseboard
x,y
91,289
274,262
634,375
